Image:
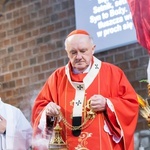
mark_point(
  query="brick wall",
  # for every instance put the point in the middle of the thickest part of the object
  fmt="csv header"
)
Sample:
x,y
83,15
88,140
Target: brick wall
x,y
32,34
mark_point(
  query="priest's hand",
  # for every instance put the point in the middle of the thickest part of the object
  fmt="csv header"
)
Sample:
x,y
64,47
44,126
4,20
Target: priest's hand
x,y
98,103
3,123
52,109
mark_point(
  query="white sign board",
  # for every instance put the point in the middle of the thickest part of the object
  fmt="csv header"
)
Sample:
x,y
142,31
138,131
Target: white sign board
x,y
108,21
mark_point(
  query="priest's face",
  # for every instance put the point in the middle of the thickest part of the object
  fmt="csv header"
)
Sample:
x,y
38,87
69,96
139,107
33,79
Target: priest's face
x,y
80,50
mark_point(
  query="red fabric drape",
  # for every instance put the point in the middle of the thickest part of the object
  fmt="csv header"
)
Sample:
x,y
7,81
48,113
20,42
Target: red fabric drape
x,y
140,10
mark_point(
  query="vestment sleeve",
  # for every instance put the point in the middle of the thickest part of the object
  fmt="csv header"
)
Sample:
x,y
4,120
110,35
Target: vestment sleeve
x,y
123,120
111,125
47,94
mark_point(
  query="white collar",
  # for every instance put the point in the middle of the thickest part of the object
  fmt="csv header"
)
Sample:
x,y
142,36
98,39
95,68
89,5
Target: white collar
x,y
75,71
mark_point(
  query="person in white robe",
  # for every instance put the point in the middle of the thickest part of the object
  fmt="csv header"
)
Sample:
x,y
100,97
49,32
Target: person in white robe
x,y
15,129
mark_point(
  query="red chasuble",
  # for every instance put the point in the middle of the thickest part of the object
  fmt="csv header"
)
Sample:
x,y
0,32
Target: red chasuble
x,y
112,84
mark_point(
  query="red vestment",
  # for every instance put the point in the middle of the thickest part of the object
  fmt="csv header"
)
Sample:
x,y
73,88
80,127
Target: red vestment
x,y
112,84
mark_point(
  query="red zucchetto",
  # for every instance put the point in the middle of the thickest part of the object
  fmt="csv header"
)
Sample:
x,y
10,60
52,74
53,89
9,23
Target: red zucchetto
x,y
78,32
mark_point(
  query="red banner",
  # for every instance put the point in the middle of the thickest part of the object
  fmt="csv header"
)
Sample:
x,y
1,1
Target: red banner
x,y
140,10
